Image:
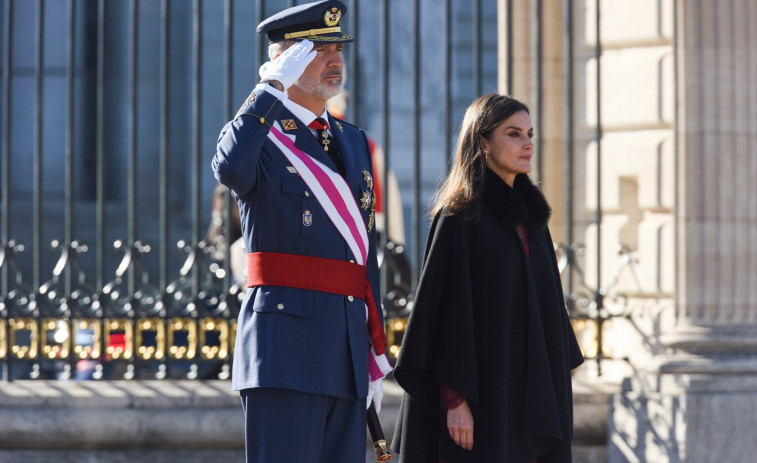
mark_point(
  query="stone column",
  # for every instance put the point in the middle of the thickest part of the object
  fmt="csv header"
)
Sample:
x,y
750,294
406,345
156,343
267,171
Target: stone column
x,y
697,402
717,191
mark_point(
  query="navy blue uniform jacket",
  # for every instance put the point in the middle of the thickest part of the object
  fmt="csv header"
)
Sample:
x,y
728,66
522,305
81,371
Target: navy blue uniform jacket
x,y
290,338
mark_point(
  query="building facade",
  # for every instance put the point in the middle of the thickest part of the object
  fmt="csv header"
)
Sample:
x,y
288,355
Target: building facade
x,y
649,109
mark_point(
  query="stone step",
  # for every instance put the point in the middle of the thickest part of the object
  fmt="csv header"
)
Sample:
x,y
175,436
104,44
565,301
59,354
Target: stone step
x,y
185,421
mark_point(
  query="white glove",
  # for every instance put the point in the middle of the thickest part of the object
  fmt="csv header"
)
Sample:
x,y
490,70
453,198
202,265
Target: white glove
x,y
289,66
375,393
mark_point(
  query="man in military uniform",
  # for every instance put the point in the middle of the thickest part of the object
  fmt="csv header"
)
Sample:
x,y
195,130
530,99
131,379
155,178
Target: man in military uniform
x,y
309,353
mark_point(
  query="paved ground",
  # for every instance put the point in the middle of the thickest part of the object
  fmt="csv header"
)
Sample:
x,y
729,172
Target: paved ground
x,y
188,421
82,421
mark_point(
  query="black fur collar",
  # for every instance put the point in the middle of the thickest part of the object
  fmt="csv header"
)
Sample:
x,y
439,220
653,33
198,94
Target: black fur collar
x,y
523,203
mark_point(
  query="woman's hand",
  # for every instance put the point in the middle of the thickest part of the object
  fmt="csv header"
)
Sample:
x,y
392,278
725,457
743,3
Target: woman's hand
x,y
460,425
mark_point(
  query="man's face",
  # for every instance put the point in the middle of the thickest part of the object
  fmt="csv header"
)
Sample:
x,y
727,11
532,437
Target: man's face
x,y
323,76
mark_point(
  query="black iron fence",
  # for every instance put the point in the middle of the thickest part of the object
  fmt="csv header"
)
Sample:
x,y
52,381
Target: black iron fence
x,y
110,111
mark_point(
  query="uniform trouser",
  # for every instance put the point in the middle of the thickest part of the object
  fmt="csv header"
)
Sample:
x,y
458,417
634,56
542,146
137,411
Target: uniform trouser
x,y
282,425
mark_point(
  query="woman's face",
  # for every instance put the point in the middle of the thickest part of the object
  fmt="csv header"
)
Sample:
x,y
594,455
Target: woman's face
x,y
509,149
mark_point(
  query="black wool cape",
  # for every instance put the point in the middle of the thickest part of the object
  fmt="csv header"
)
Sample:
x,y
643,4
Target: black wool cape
x,y
490,323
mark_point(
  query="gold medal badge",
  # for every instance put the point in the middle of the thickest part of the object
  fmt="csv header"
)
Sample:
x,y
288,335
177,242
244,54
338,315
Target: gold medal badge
x,y
368,200
371,219
365,200
368,179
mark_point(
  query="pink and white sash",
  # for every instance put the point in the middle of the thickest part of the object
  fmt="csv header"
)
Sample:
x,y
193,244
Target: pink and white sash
x,y
333,194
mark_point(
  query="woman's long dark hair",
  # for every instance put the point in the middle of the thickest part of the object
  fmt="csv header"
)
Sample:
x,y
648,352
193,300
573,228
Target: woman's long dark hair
x,y
465,182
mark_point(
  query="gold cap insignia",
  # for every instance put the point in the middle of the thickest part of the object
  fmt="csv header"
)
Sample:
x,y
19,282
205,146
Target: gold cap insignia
x,y
289,124
332,16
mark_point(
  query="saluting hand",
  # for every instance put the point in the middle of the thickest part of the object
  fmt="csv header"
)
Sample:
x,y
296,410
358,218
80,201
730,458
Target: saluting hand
x,y
288,66
460,425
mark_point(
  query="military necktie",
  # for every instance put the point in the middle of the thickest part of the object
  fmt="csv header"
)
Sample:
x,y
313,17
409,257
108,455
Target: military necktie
x,y
321,127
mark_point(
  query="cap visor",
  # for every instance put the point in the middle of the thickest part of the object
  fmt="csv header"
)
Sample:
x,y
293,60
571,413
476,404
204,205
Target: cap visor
x,y
326,38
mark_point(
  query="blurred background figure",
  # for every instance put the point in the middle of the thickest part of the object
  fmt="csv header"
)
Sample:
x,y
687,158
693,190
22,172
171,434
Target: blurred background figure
x,y
221,244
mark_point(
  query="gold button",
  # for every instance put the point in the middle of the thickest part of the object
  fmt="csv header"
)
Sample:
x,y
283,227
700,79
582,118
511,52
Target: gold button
x,y
350,298
307,193
262,120
280,306
352,261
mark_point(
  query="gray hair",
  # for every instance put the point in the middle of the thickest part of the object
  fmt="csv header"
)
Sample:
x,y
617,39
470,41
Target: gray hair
x,y
276,48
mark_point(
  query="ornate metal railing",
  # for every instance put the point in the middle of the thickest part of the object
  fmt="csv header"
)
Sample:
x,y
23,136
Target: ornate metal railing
x,y
109,113
590,307
118,332
150,113
140,330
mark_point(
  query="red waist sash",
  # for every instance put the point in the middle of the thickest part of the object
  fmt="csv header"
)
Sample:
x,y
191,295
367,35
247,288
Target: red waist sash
x,y
317,274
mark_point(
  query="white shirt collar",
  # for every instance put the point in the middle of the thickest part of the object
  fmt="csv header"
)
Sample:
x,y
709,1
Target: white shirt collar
x,y
303,114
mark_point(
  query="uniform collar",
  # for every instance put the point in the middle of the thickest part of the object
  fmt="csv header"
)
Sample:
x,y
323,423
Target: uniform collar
x,y
302,113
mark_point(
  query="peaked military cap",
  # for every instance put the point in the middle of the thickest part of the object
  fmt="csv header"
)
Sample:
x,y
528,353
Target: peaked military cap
x,y
317,22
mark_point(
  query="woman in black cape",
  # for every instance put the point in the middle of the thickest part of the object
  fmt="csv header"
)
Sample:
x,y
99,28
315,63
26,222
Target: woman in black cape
x,y
487,355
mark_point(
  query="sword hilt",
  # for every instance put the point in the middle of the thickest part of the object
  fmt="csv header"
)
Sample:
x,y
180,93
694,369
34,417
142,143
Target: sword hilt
x,y
377,435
